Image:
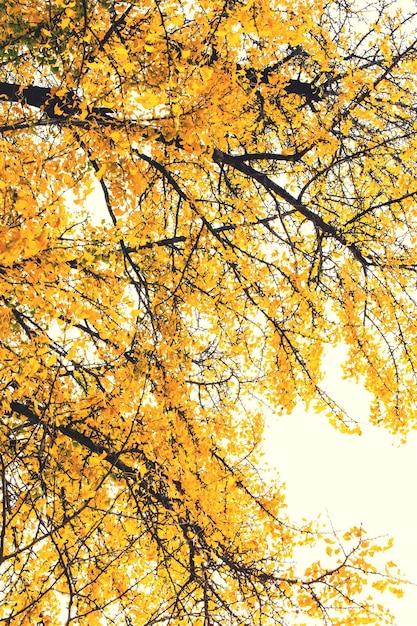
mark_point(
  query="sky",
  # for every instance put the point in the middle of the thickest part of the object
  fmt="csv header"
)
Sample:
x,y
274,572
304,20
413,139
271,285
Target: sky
x,y
351,479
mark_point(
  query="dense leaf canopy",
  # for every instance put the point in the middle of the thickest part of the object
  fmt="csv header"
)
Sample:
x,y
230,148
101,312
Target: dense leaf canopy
x,y
195,199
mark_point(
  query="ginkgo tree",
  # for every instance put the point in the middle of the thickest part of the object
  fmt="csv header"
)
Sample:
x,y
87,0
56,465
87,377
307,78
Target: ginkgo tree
x,y
254,165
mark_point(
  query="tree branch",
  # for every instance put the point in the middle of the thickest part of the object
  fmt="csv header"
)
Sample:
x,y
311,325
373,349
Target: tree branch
x,y
75,435
222,158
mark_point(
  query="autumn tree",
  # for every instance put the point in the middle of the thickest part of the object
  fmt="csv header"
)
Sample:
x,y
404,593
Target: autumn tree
x,y
196,199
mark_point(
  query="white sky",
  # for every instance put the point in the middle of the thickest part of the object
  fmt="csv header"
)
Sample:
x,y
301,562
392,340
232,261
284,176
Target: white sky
x,y
352,480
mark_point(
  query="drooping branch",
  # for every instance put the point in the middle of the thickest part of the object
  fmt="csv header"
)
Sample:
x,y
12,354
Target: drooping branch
x,y
77,436
222,158
111,457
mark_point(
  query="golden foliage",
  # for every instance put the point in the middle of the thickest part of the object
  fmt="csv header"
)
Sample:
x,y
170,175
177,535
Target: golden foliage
x,y
254,165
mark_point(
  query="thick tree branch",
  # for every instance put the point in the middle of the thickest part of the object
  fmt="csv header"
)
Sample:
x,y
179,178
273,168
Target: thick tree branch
x,y
48,100
75,435
328,229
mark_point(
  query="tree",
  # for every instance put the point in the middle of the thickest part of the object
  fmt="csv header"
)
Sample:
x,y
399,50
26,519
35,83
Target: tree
x,y
257,165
